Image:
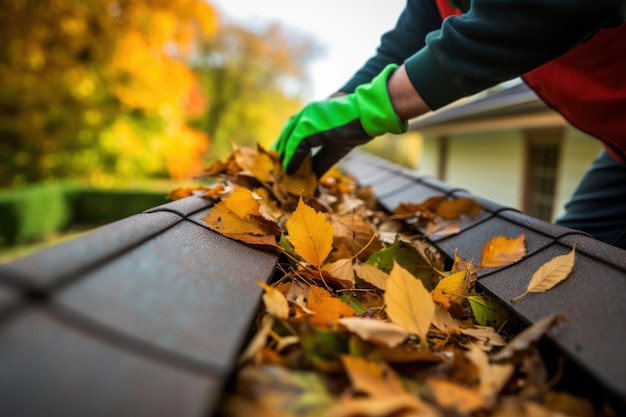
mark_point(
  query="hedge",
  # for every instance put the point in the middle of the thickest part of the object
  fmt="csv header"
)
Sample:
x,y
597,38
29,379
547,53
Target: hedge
x,y
31,213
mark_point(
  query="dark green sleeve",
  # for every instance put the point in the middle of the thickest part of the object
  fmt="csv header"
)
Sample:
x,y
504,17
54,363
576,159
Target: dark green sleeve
x,y
416,21
495,41
498,40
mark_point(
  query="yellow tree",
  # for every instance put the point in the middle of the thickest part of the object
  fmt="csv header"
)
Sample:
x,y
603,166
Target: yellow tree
x,y
99,88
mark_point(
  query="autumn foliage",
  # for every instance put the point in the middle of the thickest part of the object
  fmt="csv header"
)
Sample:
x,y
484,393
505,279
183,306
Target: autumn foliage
x,y
363,317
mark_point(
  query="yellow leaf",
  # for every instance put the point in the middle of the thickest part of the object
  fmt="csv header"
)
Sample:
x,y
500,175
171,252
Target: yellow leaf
x,y
501,251
223,220
275,302
375,379
376,331
408,302
310,233
303,182
550,274
243,203
450,289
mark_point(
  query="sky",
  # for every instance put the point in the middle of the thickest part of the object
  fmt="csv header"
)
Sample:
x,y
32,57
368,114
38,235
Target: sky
x,y
347,31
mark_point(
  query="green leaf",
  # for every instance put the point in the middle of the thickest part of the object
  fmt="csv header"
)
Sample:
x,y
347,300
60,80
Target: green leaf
x,y
488,311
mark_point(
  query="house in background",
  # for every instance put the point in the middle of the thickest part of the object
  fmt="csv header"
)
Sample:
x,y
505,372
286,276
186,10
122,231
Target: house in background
x,y
508,147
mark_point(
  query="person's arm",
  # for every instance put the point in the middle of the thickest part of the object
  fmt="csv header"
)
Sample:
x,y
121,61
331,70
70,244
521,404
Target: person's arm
x,y
498,40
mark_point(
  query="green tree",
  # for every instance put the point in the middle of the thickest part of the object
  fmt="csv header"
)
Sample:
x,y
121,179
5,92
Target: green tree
x,y
254,81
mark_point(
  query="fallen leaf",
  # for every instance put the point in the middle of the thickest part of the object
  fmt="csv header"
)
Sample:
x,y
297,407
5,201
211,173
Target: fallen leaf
x,y
328,309
376,331
303,182
275,302
453,396
256,161
501,251
371,274
451,209
550,274
310,233
450,290
259,339
298,294
182,192
375,379
527,338
342,270
405,405
493,377
408,303
488,311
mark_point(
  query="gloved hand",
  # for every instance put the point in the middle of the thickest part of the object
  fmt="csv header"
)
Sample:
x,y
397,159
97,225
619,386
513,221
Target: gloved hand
x,y
338,125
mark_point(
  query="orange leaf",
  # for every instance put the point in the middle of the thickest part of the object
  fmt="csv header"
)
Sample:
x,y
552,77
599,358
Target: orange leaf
x,y
328,309
450,395
310,233
501,251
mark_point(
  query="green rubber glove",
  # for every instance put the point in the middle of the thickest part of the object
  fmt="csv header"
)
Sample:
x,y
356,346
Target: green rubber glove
x,y
339,124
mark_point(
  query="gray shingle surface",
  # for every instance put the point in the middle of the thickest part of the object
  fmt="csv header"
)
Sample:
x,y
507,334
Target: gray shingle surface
x,y
143,317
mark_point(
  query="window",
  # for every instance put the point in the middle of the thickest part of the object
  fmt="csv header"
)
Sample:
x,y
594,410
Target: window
x,y
542,158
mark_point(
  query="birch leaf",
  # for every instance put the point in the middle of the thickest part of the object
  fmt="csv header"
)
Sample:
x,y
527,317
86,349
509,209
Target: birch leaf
x,y
343,271
409,304
310,233
501,251
375,379
550,274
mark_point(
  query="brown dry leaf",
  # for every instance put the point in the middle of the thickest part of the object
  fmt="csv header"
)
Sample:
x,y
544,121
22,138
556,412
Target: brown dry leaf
x,y
452,396
257,162
451,289
303,182
343,271
527,338
310,233
356,233
501,251
275,302
443,320
298,294
182,192
376,331
486,337
451,209
371,274
375,379
493,377
328,309
408,303
550,274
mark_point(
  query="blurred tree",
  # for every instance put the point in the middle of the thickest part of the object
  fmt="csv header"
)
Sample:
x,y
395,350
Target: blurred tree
x,y
254,81
99,88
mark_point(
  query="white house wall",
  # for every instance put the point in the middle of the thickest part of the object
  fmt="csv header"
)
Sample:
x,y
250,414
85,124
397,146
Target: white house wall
x,y
488,164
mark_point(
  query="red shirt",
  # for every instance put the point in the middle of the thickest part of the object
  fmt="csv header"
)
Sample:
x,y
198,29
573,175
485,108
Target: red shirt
x,y
587,85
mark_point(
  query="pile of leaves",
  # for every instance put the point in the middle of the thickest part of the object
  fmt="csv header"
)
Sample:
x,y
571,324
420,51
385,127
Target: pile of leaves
x,y
364,316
